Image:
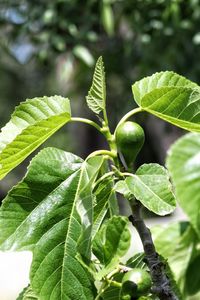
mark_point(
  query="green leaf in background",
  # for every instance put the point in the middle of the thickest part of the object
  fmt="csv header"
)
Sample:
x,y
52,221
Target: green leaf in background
x,y
31,124
96,97
112,242
27,294
170,97
151,186
180,251
107,17
50,211
84,54
183,162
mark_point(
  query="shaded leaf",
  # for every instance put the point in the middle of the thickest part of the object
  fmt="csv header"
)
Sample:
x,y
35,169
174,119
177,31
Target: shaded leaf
x,y
193,276
111,243
151,186
183,162
96,97
112,240
105,204
31,124
137,261
170,97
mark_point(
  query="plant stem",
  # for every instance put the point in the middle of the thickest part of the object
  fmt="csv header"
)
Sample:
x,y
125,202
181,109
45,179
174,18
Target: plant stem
x,y
109,174
87,121
161,282
103,152
128,115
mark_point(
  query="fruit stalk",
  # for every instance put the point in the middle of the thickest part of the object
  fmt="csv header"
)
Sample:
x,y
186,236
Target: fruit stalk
x,y
161,283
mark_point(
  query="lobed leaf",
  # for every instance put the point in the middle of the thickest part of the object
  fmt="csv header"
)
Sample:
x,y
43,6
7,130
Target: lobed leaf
x,y
183,162
170,97
31,124
151,186
96,97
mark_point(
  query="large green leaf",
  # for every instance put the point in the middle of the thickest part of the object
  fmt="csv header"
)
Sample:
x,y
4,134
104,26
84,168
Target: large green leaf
x,y
31,208
51,210
96,97
183,163
151,186
170,97
31,124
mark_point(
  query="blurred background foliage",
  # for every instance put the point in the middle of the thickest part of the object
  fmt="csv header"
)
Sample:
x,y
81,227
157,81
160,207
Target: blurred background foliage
x,y
50,47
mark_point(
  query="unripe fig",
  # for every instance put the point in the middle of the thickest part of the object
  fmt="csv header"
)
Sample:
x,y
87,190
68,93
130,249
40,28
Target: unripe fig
x,y
130,139
135,283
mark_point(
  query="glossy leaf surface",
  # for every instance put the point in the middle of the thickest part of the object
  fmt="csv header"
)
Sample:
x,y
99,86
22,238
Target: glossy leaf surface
x,y
51,212
170,97
31,124
151,186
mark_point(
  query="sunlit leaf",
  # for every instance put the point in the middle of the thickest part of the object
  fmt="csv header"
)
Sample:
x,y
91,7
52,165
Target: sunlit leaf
x,y
32,122
51,212
151,186
170,97
96,97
